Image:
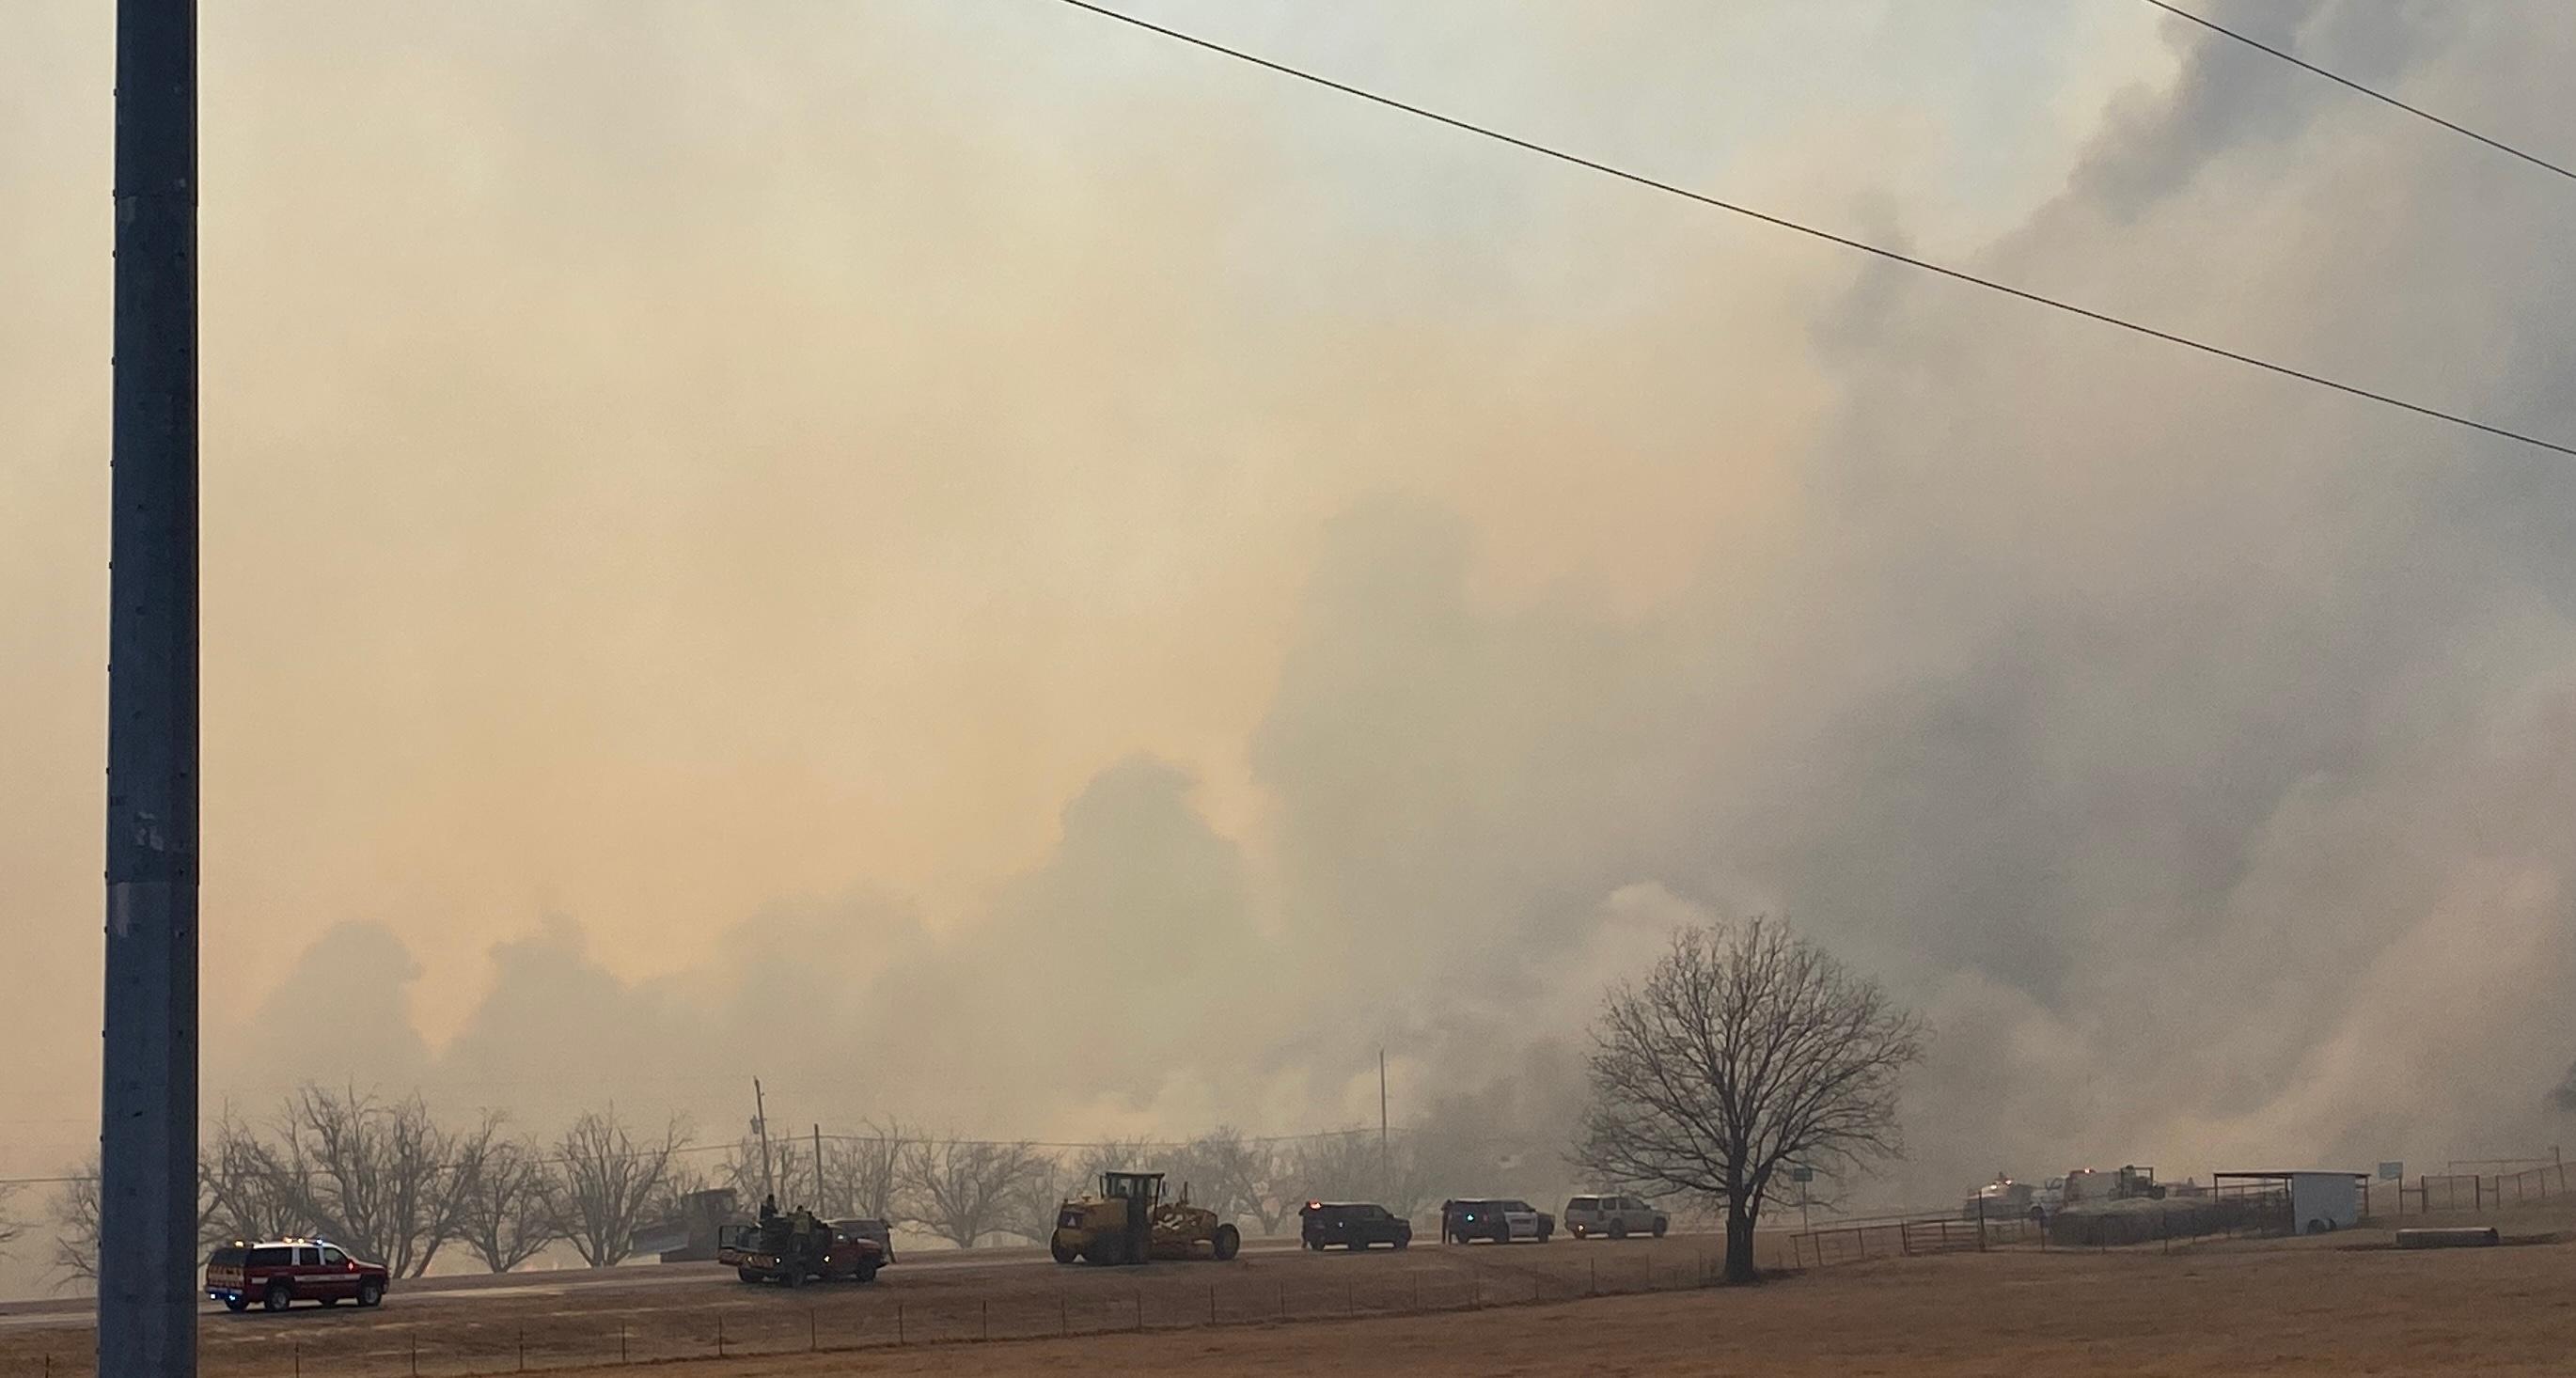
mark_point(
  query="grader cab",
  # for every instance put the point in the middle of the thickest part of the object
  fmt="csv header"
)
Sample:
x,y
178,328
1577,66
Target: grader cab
x,y
1128,1221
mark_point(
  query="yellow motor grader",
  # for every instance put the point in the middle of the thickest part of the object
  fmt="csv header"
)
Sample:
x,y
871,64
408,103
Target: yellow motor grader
x,y
1130,1222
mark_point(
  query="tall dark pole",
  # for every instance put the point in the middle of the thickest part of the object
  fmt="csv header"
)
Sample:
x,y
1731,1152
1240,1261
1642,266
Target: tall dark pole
x,y
1385,1161
760,1122
147,1313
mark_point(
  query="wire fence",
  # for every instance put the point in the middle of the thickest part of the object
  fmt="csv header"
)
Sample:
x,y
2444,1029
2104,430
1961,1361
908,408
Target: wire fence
x,y
2228,1214
825,1318
2470,1191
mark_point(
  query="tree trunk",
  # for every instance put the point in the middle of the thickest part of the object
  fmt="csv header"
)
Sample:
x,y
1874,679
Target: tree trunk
x,y
1739,1243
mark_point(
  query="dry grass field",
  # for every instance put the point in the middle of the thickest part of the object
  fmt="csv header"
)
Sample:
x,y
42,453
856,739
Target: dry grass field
x,y
2238,1310
2343,1305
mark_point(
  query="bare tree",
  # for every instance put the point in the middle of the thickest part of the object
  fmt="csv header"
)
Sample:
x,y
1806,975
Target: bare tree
x,y
610,1183
11,1227
374,1176
505,1195
1039,1199
742,1170
1239,1178
1343,1166
963,1190
863,1172
1116,1155
1745,1049
75,1213
247,1189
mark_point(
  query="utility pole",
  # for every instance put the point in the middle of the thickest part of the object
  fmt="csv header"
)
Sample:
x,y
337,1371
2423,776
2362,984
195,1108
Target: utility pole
x,y
818,1170
1385,1159
147,1294
760,1125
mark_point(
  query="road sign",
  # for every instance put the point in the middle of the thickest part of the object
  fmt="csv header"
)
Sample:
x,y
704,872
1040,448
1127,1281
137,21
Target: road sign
x,y
2392,1172
1802,1174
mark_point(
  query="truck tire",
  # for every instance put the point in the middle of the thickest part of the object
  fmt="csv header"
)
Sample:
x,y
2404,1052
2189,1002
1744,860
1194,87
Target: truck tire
x,y
1661,1225
237,1303
867,1273
1618,1229
280,1296
371,1293
1228,1242
1063,1252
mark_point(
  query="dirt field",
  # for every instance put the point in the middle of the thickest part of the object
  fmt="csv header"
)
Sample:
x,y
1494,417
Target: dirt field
x,y
2237,1311
2335,1305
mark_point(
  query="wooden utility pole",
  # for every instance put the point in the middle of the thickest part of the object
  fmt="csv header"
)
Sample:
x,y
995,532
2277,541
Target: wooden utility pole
x,y
147,1208
819,1207
1385,1158
760,1124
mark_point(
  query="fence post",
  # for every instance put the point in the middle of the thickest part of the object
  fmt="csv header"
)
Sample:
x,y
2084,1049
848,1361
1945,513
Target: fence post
x,y
986,1325
621,1350
1283,1301
1211,1303
720,1348
523,1349
299,1358
1063,1314
813,1332
1140,1308
1596,1277
898,1323
415,1351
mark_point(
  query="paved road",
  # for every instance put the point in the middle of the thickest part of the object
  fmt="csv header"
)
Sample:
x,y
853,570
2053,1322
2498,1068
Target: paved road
x,y
566,1282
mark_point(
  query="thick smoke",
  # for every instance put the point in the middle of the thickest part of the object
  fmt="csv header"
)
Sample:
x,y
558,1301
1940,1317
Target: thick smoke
x,y
1390,656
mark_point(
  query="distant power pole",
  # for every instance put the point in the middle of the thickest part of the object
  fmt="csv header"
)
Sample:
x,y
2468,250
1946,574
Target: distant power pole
x,y
147,1149
1385,1158
760,1125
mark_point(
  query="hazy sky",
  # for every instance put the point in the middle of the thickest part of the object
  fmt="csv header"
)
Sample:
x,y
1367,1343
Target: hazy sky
x,y
943,507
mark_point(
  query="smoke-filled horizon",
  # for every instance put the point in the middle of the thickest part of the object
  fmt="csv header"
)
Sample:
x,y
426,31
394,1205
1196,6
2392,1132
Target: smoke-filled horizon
x,y
989,570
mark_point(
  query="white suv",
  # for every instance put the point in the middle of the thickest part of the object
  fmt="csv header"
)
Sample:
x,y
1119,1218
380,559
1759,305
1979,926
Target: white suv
x,y
1499,1219
1615,1216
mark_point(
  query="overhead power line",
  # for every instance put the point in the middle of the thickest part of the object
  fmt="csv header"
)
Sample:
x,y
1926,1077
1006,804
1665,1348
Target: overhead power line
x,y
920,1140
1812,232
2381,96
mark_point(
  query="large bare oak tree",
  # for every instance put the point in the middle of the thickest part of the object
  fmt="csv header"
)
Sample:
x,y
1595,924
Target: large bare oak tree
x,y
1747,1049
963,1190
507,1199
610,1180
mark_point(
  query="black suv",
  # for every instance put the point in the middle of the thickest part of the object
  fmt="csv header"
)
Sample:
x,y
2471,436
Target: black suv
x,y
1354,1227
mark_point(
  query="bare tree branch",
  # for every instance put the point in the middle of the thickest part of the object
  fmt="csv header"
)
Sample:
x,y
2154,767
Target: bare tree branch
x,y
11,1227
75,1212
